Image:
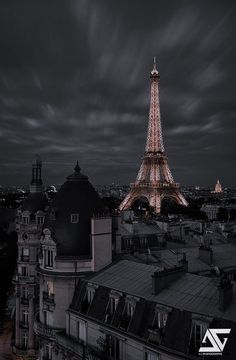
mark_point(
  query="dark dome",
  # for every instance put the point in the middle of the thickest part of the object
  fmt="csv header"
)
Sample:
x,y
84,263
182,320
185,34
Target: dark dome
x,y
35,202
78,197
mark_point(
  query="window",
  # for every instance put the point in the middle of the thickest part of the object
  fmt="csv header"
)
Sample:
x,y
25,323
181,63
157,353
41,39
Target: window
x,y
25,292
48,352
198,335
130,309
25,251
74,218
45,317
25,220
24,271
90,294
25,317
24,341
49,288
113,346
82,331
48,258
24,254
40,220
160,320
113,304
151,356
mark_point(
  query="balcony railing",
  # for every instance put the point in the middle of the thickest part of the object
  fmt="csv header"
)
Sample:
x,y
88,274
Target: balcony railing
x,y
76,347
19,351
24,258
24,278
44,330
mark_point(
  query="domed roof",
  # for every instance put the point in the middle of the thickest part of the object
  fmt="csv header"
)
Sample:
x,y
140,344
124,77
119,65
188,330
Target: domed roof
x,y
70,213
35,202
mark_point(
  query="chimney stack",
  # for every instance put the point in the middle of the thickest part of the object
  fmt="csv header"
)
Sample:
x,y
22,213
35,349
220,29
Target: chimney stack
x,y
184,262
162,279
206,254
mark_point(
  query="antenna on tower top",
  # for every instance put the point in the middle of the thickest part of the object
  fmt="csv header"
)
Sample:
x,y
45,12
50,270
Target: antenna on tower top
x,y
154,63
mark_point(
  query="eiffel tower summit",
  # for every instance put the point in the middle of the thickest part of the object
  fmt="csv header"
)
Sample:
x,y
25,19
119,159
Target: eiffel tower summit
x,y
154,181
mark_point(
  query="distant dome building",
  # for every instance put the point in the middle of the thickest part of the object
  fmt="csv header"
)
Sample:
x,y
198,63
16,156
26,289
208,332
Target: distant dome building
x,y
218,187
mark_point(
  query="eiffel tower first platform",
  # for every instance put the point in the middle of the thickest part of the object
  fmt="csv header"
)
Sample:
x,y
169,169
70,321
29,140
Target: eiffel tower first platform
x,y
154,181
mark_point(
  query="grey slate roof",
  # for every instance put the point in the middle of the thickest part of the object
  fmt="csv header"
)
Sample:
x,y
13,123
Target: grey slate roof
x,y
224,256
194,293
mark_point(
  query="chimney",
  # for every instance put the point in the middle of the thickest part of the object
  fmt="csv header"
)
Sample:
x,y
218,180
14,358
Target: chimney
x,y
162,279
225,294
184,262
206,254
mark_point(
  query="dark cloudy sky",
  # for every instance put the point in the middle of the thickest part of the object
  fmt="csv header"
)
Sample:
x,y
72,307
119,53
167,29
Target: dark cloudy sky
x,y
74,84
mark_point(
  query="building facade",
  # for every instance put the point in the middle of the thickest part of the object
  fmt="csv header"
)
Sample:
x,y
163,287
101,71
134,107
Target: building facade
x,y
30,218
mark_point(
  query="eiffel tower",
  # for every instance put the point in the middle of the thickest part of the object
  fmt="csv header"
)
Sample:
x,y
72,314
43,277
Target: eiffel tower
x,y
154,181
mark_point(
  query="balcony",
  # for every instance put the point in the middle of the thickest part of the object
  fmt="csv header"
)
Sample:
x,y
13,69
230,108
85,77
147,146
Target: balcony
x,y
24,279
24,258
66,343
44,330
21,351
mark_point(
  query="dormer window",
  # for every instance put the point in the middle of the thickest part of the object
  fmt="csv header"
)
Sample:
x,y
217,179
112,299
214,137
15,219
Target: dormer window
x,y
113,304
160,319
39,220
130,309
48,256
25,220
74,218
90,294
88,298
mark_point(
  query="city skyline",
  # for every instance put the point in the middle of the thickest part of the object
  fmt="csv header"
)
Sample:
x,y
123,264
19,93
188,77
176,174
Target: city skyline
x,y
75,85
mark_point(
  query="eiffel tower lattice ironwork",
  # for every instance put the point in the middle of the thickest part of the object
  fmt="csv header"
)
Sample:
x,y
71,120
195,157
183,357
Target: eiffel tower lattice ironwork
x,y
154,180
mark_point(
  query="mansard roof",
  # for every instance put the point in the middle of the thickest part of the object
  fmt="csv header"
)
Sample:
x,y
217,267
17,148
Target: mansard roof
x,y
177,335
190,292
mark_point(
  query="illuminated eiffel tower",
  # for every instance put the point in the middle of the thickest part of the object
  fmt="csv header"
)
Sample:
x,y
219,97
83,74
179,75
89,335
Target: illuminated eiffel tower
x,y
154,181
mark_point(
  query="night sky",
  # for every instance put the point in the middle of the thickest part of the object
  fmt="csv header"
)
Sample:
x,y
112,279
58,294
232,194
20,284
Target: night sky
x,y
74,84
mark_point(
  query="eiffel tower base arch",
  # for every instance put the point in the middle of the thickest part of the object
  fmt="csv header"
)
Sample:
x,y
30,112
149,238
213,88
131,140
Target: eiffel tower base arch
x,y
154,197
